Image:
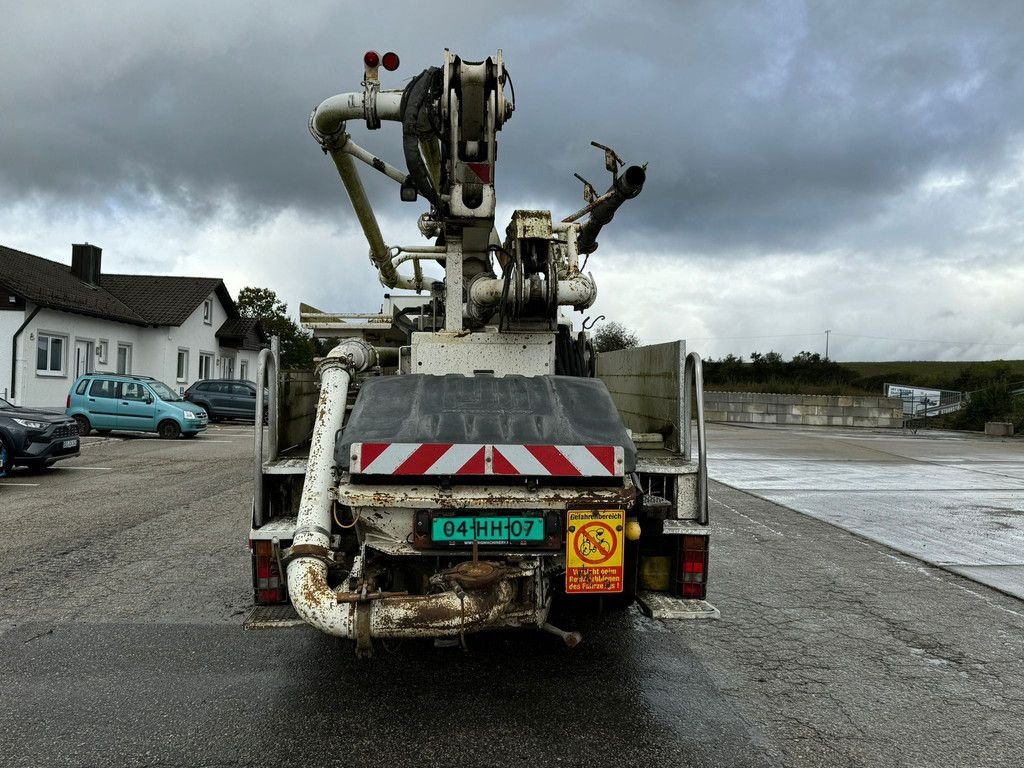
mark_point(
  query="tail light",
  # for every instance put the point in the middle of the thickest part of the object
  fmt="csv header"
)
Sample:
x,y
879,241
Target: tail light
x,y
267,574
68,403
689,577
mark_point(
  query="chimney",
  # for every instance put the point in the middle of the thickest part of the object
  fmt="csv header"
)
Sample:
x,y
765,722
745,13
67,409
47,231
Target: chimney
x,y
85,262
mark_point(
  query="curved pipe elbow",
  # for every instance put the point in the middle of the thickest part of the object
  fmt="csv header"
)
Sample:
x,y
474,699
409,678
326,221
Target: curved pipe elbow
x,y
332,113
440,615
314,600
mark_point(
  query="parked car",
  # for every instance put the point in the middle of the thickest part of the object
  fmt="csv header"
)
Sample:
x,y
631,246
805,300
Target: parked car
x,y
34,438
107,402
225,398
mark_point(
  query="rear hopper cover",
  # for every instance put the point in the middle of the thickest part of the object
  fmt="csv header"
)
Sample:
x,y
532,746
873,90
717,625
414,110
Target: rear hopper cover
x,y
524,410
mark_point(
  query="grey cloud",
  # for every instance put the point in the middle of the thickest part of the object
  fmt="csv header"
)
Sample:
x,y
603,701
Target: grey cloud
x,y
768,126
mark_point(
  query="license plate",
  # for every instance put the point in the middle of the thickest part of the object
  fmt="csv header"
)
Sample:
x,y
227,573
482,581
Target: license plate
x,y
70,444
501,529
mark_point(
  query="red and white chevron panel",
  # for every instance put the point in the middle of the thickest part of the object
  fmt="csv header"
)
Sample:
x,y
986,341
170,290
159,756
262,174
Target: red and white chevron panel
x,y
481,459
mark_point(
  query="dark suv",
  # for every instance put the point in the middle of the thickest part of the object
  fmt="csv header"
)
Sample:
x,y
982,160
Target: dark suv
x,y
225,398
34,439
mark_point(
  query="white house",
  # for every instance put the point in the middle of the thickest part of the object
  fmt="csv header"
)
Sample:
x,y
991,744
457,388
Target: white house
x,y
58,322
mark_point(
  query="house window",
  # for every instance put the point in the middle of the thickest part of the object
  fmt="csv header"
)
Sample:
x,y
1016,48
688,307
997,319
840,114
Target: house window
x,y
50,352
124,358
243,369
102,348
205,366
182,365
208,312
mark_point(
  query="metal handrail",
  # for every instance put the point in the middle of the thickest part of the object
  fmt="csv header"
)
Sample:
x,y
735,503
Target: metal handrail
x,y
266,367
693,387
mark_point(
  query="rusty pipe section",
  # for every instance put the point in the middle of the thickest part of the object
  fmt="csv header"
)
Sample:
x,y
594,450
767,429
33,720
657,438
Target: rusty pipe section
x,y
347,615
625,187
307,576
444,614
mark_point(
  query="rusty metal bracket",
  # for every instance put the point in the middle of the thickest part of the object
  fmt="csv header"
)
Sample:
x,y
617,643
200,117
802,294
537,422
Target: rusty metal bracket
x,y
611,160
315,551
359,597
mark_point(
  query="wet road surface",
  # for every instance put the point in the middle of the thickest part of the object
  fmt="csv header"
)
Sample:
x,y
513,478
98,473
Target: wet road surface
x,y
952,499
122,593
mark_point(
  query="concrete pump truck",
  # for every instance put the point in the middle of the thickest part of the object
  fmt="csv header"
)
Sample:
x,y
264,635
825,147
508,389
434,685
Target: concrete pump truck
x,y
471,459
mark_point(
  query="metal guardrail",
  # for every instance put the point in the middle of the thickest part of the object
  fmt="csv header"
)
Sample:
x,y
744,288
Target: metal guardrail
x,y
266,368
693,388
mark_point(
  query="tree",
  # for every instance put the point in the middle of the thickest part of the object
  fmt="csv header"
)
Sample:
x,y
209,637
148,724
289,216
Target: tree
x,y
297,346
613,335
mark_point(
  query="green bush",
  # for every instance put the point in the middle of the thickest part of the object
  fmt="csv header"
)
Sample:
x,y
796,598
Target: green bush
x,y
769,372
994,402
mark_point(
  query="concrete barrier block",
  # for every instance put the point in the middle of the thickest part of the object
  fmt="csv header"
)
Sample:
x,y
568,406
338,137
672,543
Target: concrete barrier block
x,y
999,428
844,401
865,411
861,421
816,421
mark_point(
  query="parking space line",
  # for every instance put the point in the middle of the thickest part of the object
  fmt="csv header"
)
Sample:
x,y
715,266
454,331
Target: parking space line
x,y
97,469
23,485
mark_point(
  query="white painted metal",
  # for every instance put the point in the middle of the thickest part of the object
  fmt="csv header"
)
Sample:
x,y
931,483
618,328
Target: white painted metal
x,y
579,292
388,497
373,161
453,287
529,354
332,113
266,376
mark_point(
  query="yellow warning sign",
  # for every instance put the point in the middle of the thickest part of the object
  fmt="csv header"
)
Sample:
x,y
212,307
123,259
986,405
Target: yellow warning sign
x,y
593,550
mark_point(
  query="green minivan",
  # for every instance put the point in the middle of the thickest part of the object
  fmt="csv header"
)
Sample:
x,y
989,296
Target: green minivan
x,y
105,402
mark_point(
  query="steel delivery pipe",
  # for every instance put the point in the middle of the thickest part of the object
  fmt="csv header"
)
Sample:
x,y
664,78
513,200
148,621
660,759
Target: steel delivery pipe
x,y
625,187
364,212
332,113
311,595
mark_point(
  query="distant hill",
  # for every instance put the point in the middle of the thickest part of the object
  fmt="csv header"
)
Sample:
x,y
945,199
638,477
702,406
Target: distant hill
x,y
962,376
809,374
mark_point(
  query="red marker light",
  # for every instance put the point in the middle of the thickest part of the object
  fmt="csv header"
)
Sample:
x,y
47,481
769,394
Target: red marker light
x,y
371,59
390,61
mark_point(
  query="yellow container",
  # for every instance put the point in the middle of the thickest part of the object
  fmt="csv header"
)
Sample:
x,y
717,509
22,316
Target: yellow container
x,y
654,572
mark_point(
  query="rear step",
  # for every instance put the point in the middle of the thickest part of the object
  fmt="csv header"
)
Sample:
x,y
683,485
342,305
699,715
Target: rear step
x,y
661,605
272,617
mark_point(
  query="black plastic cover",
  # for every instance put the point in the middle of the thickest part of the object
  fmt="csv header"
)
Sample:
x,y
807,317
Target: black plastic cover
x,y
508,410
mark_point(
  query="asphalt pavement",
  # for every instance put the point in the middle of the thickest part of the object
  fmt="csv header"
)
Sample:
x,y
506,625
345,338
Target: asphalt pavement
x,y
124,580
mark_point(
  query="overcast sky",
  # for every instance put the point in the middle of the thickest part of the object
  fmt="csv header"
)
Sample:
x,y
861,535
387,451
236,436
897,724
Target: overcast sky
x,y
848,166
